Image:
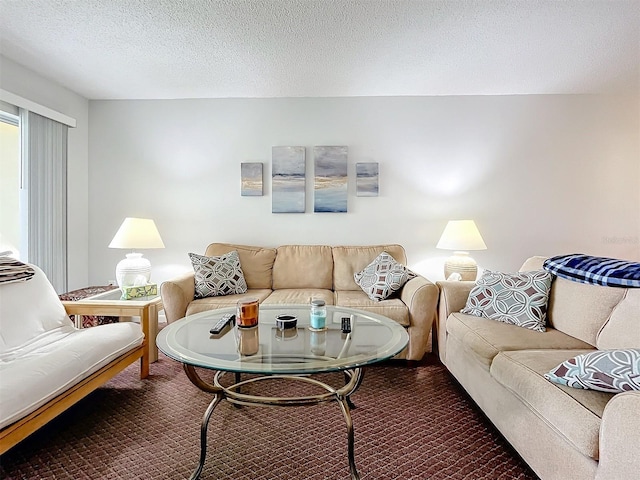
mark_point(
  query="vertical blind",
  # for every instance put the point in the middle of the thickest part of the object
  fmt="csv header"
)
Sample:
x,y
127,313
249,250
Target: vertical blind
x,y
45,150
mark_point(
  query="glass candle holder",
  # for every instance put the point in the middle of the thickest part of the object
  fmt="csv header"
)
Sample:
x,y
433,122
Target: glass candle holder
x,y
318,318
247,312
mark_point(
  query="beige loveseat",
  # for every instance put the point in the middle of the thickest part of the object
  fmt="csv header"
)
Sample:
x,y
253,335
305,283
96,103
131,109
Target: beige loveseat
x,y
563,433
291,274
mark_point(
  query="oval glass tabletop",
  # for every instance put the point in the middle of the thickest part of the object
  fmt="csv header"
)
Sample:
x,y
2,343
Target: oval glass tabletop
x,y
268,349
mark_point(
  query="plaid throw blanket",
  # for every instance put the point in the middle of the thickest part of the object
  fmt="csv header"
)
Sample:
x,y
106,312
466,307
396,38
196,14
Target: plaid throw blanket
x,y
12,270
608,272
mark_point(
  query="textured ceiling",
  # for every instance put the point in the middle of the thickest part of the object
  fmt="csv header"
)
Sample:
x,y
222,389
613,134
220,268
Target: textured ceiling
x,y
126,49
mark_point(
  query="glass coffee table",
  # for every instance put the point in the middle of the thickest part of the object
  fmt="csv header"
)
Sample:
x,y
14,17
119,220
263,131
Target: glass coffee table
x,y
274,354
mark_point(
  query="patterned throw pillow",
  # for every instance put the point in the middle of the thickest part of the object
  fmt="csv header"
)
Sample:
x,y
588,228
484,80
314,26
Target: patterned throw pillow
x,y
515,298
217,276
382,277
610,371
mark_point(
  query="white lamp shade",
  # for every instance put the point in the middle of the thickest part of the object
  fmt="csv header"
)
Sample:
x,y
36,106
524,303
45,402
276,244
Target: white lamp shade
x,y
461,235
135,233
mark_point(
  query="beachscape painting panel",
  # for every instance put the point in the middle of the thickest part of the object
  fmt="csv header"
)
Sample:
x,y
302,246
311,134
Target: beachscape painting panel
x,y
251,174
288,179
367,179
330,187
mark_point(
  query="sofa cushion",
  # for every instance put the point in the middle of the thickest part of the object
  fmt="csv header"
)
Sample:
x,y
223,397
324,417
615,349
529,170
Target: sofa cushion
x,y
486,338
298,296
349,260
612,371
218,276
383,277
211,303
303,266
622,329
393,308
33,376
514,298
256,262
29,311
573,413
592,304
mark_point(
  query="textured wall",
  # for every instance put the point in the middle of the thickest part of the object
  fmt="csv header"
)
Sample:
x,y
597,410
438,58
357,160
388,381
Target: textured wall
x,y
540,174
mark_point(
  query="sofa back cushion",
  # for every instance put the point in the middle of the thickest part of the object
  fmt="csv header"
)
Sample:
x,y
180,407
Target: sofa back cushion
x,y
256,262
578,309
622,329
303,266
29,311
352,259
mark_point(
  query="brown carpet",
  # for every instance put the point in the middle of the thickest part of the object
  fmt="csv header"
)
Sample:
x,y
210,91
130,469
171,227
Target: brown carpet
x,y
410,423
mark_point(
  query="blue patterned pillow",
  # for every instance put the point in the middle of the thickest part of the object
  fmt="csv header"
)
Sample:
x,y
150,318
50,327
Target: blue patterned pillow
x,y
612,371
514,298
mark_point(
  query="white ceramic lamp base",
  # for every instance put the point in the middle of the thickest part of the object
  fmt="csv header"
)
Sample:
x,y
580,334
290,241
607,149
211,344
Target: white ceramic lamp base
x,y
133,271
462,264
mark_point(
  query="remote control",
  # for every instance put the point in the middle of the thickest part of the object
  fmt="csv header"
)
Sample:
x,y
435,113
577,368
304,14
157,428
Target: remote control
x,y
220,324
346,325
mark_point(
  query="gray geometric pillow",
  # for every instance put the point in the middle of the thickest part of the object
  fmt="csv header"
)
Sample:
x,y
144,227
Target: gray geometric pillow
x,y
382,277
217,276
611,371
515,298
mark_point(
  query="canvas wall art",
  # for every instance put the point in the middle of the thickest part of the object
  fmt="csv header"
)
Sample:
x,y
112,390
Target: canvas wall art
x,y
330,185
288,180
251,178
367,179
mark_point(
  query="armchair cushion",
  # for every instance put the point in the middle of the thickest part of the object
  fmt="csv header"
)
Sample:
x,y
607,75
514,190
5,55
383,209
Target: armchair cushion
x,y
217,276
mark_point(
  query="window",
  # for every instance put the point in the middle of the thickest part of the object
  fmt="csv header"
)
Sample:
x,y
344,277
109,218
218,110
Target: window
x,y
11,239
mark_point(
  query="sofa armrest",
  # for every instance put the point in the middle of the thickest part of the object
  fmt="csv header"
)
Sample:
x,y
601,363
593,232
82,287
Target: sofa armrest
x,y
620,437
453,297
421,298
177,294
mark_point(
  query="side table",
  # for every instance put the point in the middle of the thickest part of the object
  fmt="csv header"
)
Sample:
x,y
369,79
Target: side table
x,y
111,304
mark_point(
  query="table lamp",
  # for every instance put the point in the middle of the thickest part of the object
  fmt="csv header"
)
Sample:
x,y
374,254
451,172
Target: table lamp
x,y
133,234
461,236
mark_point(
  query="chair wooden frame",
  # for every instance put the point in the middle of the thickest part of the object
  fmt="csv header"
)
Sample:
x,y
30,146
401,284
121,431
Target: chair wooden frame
x,y
21,429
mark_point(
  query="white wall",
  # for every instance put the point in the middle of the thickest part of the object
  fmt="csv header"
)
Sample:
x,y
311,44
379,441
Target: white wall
x,y
540,174
28,84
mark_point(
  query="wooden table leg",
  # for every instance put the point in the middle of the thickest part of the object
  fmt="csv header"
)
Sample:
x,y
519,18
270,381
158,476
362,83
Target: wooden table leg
x,y
153,333
144,361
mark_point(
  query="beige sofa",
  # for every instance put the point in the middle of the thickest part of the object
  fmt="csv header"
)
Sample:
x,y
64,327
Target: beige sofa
x,y
561,432
291,274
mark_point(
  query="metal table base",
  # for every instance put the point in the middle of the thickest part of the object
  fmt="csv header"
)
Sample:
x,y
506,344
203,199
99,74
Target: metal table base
x,y
233,394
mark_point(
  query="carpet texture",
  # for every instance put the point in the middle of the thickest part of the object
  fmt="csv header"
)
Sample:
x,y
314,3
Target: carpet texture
x,y
411,423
